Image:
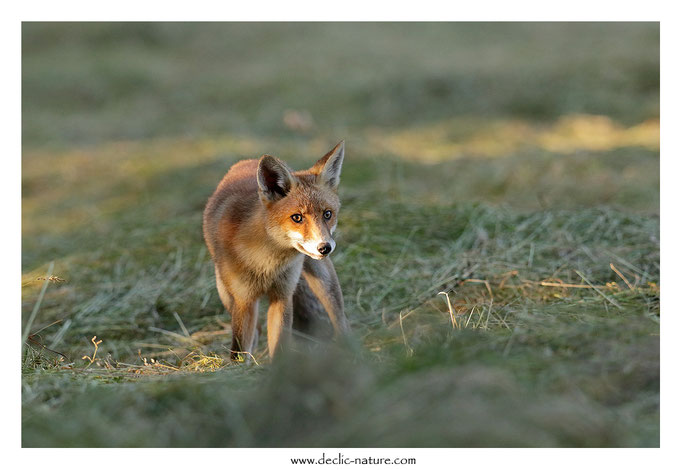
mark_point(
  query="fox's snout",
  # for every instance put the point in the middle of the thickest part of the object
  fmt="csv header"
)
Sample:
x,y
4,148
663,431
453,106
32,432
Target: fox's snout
x,y
316,249
325,247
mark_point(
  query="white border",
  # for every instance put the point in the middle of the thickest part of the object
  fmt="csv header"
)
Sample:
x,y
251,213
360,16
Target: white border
x,y
349,10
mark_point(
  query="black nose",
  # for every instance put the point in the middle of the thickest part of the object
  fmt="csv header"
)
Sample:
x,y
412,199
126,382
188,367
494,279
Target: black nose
x,y
324,248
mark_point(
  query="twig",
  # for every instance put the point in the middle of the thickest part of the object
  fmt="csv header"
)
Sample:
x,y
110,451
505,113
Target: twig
x,y
94,355
409,349
35,341
247,353
615,270
452,314
561,284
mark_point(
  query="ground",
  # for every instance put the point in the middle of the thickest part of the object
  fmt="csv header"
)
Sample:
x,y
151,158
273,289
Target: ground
x,y
498,243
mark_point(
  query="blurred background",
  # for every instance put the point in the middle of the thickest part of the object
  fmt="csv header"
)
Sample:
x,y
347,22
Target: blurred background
x,y
497,162
85,83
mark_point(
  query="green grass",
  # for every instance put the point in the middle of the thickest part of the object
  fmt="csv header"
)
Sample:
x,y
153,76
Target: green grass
x,y
491,162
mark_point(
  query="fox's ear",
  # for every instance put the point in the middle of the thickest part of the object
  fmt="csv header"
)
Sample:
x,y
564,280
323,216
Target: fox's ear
x,y
274,178
328,168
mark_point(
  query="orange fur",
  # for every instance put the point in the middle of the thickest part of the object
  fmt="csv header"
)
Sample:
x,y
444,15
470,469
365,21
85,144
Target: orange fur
x,y
259,250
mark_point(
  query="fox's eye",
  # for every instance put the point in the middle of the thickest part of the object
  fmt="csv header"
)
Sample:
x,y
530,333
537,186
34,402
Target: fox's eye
x,y
298,218
327,214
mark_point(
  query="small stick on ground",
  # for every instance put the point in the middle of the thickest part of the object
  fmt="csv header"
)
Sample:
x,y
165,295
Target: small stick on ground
x,y
452,313
247,354
615,270
94,355
563,284
409,349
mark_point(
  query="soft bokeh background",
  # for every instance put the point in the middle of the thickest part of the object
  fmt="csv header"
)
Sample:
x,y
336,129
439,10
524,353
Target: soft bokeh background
x,y
514,166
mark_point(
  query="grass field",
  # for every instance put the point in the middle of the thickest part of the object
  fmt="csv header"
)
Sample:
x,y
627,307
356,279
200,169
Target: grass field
x,y
514,167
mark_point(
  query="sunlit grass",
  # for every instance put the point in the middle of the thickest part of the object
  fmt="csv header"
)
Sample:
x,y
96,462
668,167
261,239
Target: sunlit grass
x,y
499,138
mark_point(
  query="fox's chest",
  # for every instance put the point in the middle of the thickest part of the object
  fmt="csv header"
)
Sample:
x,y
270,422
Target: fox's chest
x,y
265,270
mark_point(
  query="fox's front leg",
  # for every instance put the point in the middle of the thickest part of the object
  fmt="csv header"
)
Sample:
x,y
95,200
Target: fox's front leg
x,y
244,320
280,319
281,310
323,282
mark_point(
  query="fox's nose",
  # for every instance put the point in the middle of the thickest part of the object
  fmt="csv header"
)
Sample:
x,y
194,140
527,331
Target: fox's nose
x,y
324,248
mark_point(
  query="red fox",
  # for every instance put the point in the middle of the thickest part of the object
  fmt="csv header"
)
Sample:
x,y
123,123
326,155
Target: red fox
x,y
269,231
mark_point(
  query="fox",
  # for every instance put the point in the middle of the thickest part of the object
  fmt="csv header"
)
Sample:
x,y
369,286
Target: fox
x,y
269,232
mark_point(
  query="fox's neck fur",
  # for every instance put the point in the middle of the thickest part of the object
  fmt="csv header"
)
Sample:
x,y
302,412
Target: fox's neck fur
x,y
269,257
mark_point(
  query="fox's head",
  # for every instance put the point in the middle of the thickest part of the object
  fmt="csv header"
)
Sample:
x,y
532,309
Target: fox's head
x,y
302,206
